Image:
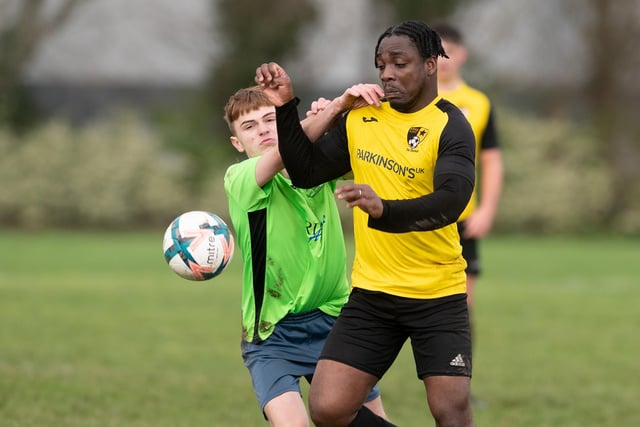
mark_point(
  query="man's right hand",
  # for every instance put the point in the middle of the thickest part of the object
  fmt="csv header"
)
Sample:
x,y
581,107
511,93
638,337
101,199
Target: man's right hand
x,y
275,83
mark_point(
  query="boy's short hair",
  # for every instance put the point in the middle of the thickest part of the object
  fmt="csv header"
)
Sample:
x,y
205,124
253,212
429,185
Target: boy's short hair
x,y
447,32
243,101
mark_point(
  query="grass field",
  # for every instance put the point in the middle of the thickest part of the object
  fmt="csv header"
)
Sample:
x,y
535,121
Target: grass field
x,y
95,330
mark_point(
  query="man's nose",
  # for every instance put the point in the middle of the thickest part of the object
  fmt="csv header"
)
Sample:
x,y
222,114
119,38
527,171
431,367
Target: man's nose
x,y
386,74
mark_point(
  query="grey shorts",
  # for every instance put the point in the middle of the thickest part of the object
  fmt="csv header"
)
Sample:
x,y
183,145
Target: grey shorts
x,y
291,352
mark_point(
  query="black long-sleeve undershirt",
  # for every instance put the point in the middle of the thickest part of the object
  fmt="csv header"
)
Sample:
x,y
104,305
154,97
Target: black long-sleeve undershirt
x,y
310,164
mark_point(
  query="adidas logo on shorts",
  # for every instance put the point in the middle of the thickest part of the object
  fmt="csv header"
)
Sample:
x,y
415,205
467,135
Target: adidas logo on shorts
x,y
457,361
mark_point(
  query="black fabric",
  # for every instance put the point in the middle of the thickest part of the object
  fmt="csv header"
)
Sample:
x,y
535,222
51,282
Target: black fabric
x,y
429,212
366,418
469,251
258,233
301,157
490,136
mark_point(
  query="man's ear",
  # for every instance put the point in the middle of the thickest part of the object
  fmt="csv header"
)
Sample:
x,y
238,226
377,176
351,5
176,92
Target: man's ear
x,y
431,65
237,144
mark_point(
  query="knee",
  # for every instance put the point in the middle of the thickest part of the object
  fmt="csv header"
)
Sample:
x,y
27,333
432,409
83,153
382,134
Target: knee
x,y
455,414
322,415
325,414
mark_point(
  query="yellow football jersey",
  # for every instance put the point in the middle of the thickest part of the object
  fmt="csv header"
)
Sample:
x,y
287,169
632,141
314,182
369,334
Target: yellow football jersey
x,y
395,153
476,107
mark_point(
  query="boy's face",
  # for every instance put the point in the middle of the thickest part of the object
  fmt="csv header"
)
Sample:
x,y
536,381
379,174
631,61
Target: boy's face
x,y
255,131
450,69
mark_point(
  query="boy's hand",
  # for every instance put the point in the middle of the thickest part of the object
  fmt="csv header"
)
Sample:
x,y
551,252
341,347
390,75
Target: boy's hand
x,y
275,83
317,106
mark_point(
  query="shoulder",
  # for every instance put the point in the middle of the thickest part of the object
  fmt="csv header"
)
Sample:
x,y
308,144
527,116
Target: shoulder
x,y
454,113
241,177
365,114
457,127
242,167
476,95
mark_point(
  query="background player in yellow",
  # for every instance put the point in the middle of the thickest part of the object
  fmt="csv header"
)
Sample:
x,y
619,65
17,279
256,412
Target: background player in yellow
x,y
476,220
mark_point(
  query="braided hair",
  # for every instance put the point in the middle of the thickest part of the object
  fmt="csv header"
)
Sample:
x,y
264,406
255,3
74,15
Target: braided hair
x,y
426,39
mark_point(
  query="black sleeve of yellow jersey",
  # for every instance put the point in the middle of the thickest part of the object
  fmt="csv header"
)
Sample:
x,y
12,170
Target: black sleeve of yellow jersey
x,y
490,136
310,164
454,178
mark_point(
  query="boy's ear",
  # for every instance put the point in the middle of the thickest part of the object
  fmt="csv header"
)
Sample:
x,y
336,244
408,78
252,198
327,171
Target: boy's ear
x,y
237,144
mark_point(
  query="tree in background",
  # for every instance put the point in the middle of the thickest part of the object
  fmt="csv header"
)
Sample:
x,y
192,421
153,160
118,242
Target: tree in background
x,y
248,35
252,34
33,21
425,10
612,31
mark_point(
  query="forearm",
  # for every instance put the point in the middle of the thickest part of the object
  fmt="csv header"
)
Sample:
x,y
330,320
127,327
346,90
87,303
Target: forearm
x,y
491,179
294,145
310,164
429,212
316,125
269,164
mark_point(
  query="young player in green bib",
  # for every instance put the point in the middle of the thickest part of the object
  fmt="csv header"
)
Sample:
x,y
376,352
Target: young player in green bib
x,y
294,260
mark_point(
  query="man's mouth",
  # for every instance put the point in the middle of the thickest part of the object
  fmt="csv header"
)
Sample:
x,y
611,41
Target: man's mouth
x,y
391,92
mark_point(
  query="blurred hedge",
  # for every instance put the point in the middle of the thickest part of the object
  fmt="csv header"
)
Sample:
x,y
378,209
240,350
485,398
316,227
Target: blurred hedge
x,y
554,179
114,174
121,173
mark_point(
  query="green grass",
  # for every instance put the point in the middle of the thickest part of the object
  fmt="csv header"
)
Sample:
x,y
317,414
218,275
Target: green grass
x,y
95,330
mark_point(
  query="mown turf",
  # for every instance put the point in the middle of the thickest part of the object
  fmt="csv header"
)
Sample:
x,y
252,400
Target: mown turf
x,y
95,330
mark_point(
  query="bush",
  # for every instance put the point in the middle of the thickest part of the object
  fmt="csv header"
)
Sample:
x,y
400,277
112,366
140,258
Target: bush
x,y
112,174
554,179
122,173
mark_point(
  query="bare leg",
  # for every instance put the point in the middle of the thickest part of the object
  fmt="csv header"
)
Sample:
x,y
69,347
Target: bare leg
x,y
449,400
287,410
337,392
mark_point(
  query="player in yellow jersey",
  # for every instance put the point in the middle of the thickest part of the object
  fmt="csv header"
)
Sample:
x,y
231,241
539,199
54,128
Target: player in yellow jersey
x,y
477,218
412,157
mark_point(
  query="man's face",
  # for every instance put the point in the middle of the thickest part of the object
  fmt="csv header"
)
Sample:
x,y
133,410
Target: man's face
x,y
405,76
449,69
256,131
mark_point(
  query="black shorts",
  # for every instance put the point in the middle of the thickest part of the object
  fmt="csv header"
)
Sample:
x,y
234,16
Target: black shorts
x,y
469,252
373,327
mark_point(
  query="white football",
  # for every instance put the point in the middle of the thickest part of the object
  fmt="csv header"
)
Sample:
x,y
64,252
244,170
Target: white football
x,y
198,245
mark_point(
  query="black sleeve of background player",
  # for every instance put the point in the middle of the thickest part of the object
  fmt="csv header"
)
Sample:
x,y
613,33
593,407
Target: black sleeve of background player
x,y
454,178
310,164
490,135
